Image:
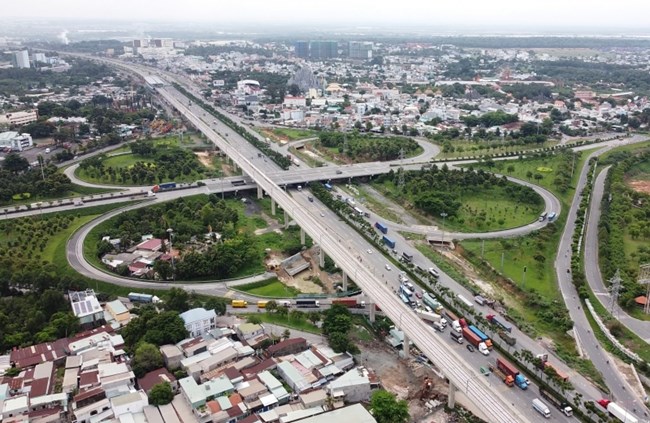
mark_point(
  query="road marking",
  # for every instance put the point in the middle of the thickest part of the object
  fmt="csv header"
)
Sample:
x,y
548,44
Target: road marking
x,y
229,294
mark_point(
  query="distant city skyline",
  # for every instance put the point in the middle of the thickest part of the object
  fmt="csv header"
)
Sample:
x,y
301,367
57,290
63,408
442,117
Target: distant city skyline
x,y
498,16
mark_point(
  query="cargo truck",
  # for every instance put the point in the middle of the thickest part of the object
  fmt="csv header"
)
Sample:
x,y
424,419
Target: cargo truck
x,y
143,298
511,370
563,406
388,241
475,340
382,228
499,322
431,317
480,334
328,187
506,378
510,340
307,303
239,304
432,302
349,302
545,363
618,411
541,408
163,187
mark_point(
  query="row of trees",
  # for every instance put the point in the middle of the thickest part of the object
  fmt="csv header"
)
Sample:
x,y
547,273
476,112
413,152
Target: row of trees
x,y
19,180
490,119
367,148
625,214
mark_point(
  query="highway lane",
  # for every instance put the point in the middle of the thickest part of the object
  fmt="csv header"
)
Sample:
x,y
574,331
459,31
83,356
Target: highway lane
x,y
592,268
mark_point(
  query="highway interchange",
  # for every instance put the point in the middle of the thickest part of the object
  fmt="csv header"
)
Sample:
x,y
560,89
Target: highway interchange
x,y
344,246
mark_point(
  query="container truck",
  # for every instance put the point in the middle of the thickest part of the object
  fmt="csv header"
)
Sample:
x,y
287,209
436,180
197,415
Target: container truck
x,y
511,370
545,363
510,340
499,322
431,317
618,411
388,241
163,187
506,378
541,408
143,298
563,406
382,228
239,304
349,302
481,335
432,302
476,341
307,303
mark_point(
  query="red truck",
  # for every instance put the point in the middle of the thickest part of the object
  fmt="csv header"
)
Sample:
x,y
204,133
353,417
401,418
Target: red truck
x,y
349,302
512,371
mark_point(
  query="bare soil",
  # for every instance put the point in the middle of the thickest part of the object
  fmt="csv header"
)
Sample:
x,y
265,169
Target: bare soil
x,y
640,185
205,158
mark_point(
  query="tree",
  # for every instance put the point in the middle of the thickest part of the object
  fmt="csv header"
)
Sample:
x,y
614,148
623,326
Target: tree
x,y
253,319
286,334
163,268
271,306
216,304
161,394
177,300
15,163
387,409
147,357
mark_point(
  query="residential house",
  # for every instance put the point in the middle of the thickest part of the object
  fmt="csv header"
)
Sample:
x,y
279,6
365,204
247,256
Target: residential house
x,y
199,321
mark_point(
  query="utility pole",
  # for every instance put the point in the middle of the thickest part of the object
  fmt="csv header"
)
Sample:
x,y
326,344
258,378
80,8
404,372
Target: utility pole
x,y
644,279
523,279
614,290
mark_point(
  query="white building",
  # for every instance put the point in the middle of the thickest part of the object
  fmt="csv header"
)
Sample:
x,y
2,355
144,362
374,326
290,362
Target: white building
x,y
133,402
19,118
85,306
199,321
15,141
40,57
21,59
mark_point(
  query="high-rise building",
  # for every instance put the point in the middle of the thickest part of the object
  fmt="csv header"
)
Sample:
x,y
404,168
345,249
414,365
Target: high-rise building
x,y
21,59
360,50
302,49
323,49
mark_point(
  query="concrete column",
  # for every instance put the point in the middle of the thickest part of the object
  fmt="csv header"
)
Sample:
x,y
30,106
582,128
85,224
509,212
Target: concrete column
x,y
345,281
302,236
260,193
287,218
451,398
405,346
371,312
272,206
322,257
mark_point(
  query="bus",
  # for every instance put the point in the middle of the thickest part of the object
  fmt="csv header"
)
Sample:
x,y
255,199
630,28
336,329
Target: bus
x,y
405,290
358,211
239,304
467,303
406,300
542,216
261,304
307,303
407,257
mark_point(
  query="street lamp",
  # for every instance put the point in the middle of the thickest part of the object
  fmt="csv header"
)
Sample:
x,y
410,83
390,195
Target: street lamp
x,y
444,215
472,378
170,231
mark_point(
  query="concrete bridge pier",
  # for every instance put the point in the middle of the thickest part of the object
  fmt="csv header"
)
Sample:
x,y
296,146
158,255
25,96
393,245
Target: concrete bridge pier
x,y
260,193
322,257
371,312
345,281
406,350
302,236
451,398
272,206
287,218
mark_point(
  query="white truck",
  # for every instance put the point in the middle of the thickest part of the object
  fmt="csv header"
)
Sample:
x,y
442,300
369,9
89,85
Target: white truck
x,y
431,317
541,408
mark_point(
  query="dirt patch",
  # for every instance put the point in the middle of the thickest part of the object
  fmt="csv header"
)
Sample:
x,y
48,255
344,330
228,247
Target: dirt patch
x,y
640,185
470,272
205,158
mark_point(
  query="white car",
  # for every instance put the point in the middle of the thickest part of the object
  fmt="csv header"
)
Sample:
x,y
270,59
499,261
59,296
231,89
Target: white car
x,y
369,251
388,267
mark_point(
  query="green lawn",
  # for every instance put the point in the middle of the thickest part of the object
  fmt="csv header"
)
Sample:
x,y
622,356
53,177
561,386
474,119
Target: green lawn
x,y
287,134
271,288
276,319
464,148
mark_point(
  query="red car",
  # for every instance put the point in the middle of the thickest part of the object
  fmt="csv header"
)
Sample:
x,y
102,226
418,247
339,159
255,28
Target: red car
x,y
418,294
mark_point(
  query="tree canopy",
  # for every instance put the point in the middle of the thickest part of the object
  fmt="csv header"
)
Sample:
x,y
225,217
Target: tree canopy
x,y
387,409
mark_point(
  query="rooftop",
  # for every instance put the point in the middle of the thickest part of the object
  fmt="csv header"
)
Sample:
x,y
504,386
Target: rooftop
x,y
197,314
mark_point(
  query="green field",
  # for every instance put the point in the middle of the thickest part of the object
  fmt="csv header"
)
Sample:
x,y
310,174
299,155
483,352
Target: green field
x,y
464,148
332,154
298,324
287,134
271,288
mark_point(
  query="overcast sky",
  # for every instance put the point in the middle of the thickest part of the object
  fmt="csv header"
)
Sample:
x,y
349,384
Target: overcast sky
x,y
497,14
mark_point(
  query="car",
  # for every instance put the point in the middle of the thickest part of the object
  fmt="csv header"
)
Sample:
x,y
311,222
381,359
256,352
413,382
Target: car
x,y
369,251
338,172
387,267
418,294
470,348
322,214
485,371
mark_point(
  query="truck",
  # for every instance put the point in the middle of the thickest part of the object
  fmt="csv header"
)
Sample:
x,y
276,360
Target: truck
x,y
510,340
545,363
511,370
432,302
506,378
563,406
328,187
238,304
618,411
541,408
307,303
431,317
475,340
382,228
136,297
388,241
499,322
407,257
349,302
483,336
163,187
261,304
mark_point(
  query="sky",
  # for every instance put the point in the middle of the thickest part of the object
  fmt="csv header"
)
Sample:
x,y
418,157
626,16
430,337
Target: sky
x,y
497,14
